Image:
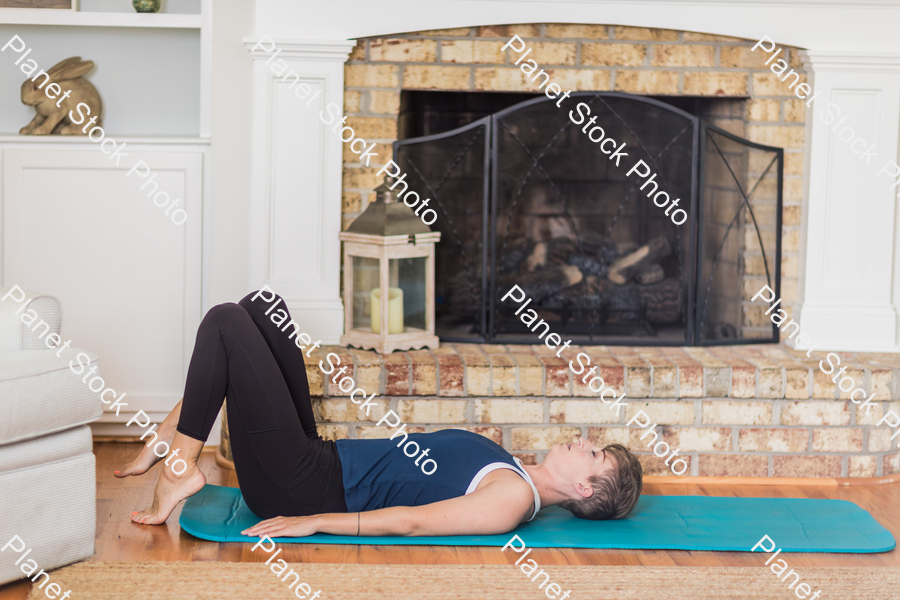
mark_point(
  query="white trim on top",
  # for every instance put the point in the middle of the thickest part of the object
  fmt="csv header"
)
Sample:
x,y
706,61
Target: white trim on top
x,y
502,465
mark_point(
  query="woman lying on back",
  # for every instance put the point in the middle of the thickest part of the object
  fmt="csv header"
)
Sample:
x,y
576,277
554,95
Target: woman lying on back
x,y
301,484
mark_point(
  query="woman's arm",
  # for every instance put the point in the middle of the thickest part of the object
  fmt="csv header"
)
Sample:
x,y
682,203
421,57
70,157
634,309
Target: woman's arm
x,y
496,508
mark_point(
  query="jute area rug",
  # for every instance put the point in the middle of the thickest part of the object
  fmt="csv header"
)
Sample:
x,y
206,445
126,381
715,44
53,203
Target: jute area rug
x,y
251,581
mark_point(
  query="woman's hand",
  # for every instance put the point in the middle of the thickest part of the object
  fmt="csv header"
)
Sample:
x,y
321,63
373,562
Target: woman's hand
x,y
283,527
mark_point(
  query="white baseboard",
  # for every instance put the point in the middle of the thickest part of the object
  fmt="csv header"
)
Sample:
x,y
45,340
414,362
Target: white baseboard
x,y
108,427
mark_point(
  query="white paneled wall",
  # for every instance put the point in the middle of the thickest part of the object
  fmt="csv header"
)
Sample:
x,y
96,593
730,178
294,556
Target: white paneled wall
x,y
129,279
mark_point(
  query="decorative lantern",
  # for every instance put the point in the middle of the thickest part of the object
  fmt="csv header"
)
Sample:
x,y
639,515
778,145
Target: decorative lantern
x,y
389,277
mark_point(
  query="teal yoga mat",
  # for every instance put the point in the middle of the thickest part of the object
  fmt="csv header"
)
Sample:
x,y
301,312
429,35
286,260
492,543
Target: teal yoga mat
x,y
219,514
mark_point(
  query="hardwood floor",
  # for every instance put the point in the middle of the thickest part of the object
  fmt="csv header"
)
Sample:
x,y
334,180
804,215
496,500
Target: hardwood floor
x,y
118,539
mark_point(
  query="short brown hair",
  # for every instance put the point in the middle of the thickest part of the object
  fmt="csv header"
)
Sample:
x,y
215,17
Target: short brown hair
x,y
616,491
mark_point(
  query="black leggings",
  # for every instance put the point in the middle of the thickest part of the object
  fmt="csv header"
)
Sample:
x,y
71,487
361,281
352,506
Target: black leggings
x,y
283,467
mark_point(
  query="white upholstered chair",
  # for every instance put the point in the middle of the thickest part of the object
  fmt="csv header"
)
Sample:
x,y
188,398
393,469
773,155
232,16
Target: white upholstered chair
x,y
47,476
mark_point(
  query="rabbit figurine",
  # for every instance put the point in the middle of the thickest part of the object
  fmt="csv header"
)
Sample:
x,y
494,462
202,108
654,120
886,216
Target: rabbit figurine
x,y
53,113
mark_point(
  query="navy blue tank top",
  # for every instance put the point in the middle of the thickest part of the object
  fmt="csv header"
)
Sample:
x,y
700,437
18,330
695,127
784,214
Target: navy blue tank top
x,y
377,473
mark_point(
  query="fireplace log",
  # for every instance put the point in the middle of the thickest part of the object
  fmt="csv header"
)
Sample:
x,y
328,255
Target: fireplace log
x,y
663,300
573,274
650,274
596,244
624,268
560,249
543,283
624,248
538,257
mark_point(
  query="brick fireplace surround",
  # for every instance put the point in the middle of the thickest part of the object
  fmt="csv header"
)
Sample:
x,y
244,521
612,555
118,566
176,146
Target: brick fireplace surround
x,y
637,60
753,411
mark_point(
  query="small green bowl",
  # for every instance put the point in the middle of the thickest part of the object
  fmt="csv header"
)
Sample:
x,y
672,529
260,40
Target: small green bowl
x,y
147,6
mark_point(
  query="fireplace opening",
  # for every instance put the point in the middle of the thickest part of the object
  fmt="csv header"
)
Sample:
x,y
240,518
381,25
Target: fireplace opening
x,y
525,198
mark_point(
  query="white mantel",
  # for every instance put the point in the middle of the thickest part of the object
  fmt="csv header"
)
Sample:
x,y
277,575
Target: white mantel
x,y
850,270
821,24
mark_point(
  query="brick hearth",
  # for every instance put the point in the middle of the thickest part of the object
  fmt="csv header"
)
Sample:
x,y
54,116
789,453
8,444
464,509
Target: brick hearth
x,y
759,411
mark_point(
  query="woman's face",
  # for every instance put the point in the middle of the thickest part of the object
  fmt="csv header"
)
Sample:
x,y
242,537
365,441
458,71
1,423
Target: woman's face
x,y
574,463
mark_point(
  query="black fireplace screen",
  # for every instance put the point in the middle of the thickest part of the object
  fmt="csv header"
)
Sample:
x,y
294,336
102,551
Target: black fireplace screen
x,y
525,198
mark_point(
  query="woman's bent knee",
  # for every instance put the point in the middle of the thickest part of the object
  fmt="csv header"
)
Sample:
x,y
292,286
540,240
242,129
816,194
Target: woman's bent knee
x,y
258,302
222,314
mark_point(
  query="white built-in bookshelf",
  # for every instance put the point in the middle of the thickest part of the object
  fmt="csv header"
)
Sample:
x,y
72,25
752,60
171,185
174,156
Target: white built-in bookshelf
x,y
152,70
74,18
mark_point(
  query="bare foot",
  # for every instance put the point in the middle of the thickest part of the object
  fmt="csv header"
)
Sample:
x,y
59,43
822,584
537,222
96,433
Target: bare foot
x,y
147,458
170,490
139,465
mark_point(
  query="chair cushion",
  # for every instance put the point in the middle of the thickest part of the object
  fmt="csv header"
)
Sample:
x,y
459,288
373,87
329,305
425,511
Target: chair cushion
x,y
45,449
40,394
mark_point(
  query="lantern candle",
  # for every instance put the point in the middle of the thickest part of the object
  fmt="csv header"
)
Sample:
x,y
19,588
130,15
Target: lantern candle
x,y
395,310
386,248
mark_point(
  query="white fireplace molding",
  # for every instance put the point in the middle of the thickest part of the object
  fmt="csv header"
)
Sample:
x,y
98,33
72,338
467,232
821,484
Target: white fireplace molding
x,y
837,24
296,172
851,277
